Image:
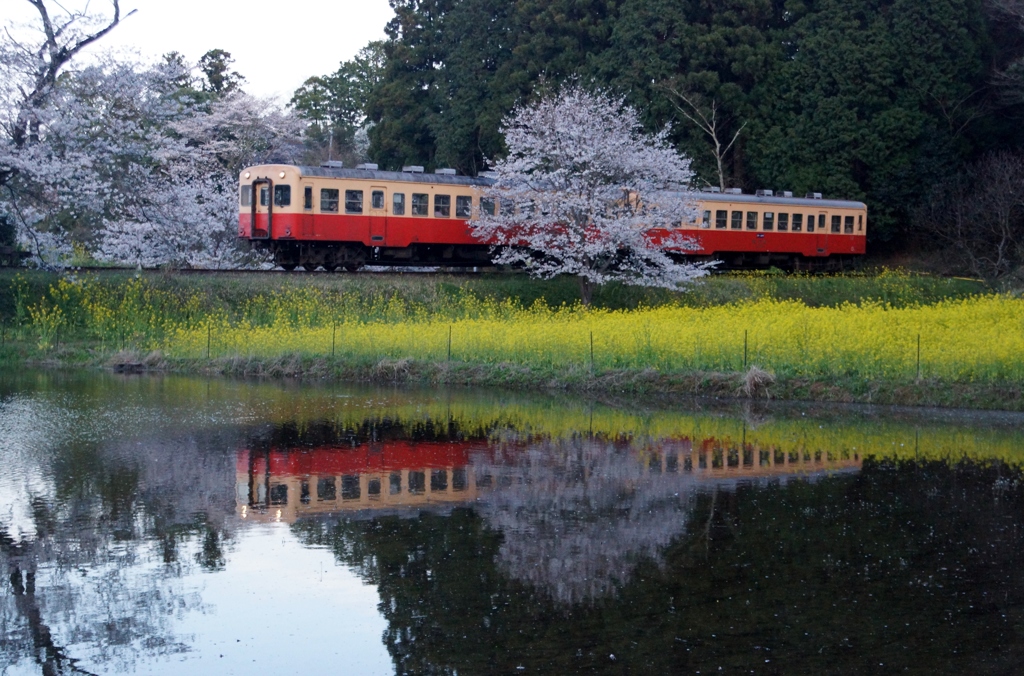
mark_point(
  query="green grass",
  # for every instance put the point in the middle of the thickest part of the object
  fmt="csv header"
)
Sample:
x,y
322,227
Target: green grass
x,y
226,293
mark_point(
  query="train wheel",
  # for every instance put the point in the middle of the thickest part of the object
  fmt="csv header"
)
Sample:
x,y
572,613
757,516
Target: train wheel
x,y
330,267
288,267
353,266
308,267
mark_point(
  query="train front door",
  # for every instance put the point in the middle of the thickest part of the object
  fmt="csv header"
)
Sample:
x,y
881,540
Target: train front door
x,y
821,234
378,214
261,202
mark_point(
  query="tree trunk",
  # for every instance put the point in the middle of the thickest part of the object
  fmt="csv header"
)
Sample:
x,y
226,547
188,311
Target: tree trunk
x,y
586,291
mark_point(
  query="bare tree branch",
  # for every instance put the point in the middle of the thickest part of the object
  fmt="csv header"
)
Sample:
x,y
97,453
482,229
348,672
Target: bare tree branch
x,y
53,54
705,116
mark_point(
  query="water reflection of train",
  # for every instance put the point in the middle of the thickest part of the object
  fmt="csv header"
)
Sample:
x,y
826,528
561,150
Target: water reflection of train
x,y
282,483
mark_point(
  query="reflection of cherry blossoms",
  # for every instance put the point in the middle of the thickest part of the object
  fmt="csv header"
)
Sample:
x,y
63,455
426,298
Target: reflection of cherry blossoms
x,y
97,550
578,515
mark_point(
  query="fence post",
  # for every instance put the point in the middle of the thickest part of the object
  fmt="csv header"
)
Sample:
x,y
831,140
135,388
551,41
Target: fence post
x,y
591,352
919,356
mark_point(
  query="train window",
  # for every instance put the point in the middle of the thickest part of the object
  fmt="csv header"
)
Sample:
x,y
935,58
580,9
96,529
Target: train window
x,y
398,203
395,483
721,217
307,197
783,222
769,220
377,199
460,480
417,482
353,201
463,206
350,488
373,487
282,195
706,223
326,489
848,225
810,223
420,204
487,206
245,195
279,494
507,207
329,200
438,480
442,206
737,220
751,220
798,222
263,197
860,222
836,223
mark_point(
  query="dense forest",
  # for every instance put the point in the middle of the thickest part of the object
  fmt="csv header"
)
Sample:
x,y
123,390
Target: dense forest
x,y
877,100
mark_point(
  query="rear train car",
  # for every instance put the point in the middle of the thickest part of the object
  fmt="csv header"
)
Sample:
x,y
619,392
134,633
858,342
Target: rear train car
x,y
333,217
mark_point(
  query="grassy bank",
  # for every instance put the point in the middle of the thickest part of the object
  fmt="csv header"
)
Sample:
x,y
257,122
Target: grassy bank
x,y
885,338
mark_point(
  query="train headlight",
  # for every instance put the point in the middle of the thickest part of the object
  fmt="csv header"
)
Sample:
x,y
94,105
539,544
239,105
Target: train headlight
x,y
247,174
281,175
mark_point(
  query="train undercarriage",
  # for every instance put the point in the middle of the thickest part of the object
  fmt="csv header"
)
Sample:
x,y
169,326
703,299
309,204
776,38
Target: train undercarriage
x,y
351,257
292,255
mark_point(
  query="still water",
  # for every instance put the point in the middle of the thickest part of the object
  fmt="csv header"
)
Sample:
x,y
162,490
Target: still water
x,y
174,525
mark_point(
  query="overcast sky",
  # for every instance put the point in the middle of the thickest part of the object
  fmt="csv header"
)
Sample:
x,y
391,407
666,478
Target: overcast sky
x,y
276,45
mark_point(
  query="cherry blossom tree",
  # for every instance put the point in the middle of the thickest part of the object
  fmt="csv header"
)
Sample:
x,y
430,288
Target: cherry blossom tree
x,y
581,189
190,213
126,160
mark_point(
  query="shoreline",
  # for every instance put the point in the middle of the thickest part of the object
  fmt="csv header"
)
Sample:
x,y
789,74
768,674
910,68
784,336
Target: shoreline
x,y
752,385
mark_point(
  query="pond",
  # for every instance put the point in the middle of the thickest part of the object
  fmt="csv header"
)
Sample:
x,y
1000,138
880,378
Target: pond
x,y
162,524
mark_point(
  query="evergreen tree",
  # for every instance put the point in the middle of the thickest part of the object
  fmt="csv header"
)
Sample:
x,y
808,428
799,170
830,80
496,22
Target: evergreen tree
x,y
873,101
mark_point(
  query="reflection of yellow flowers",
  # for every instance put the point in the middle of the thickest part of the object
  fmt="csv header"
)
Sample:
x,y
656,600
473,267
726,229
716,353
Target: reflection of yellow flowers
x,y
503,417
975,339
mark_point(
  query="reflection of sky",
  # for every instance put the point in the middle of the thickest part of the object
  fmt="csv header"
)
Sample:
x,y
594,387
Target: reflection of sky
x,y
26,428
277,606
283,608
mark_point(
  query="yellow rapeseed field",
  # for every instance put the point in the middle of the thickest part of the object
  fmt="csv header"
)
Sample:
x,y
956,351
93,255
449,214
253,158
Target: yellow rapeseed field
x,y
975,339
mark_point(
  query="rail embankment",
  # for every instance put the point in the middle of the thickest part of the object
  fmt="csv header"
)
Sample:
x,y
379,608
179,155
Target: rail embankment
x,y
889,338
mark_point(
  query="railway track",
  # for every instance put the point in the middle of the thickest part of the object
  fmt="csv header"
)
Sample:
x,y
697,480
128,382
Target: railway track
x,y
251,271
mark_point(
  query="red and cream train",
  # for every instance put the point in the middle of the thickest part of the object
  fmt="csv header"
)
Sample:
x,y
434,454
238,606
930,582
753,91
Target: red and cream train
x,y
333,217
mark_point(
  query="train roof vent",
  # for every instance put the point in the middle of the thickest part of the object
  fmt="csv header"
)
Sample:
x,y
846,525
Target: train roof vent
x,y
367,166
764,193
333,164
734,191
813,195
787,193
445,172
712,188
413,169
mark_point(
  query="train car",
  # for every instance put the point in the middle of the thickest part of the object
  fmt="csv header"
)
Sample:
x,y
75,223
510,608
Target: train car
x,y
334,217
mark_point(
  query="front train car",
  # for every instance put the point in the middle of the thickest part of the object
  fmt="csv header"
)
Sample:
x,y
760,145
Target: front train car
x,y
333,217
